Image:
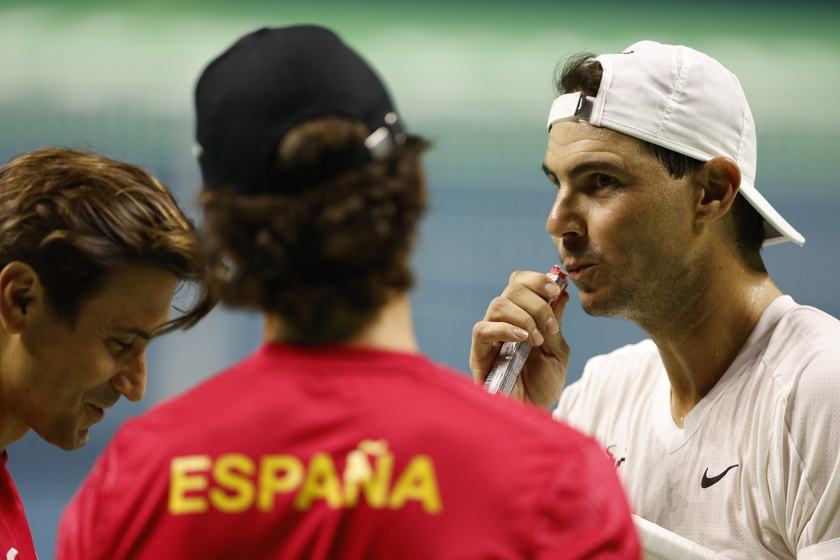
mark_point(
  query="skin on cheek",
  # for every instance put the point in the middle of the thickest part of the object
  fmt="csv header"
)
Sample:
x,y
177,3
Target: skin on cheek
x,y
64,375
627,217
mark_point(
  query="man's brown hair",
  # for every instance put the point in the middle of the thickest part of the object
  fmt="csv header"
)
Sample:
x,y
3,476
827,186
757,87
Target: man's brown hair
x,y
74,215
326,258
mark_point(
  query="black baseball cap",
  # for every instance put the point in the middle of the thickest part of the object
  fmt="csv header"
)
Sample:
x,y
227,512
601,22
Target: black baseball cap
x,y
272,80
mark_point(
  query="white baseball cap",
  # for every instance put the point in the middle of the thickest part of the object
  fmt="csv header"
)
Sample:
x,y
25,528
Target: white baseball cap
x,y
683,100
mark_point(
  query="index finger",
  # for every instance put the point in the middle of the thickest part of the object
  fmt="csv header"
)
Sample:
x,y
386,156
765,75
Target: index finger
x,y
523,303
541,284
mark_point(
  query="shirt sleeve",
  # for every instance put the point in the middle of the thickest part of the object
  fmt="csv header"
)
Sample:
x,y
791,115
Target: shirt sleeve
x,y
584,514
828,550
810,457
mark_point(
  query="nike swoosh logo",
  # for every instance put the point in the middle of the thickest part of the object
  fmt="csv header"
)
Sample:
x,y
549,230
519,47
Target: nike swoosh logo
x,y
706,481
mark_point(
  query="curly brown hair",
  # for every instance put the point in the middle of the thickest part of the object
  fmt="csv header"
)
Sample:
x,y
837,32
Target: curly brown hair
x,y
326,258
583,73
75,215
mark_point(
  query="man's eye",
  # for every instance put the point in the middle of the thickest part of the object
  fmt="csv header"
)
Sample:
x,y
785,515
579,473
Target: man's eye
x,y
122,345
603,181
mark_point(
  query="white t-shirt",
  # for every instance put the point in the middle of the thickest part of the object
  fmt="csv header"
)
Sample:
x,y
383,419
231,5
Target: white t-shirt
x,y
756,471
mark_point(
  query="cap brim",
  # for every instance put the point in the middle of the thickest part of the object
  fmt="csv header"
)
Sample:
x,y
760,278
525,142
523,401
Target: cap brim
x,y
776,228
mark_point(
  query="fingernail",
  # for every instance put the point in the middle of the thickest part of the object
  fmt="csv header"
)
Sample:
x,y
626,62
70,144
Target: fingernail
x,y
521,334
536,337
552,326
552,289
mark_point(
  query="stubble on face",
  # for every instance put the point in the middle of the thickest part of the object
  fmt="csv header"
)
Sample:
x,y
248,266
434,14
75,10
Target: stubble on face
x,y
638,235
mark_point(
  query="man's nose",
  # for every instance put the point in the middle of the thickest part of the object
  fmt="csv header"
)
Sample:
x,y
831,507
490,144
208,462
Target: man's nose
x,y
130,381
566,218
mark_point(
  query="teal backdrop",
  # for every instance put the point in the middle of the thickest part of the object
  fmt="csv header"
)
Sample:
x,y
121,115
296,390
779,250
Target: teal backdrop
x,y
474,78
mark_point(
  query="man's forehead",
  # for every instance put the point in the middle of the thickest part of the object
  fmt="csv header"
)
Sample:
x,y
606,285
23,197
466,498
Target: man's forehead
x,y
133,289
570,143
567,133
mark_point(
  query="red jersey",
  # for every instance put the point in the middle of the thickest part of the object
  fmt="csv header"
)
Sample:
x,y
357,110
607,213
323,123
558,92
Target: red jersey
x,y
338,452
15,537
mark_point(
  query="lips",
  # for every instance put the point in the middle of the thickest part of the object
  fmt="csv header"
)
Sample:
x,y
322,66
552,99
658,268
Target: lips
x,y
98,411
577,270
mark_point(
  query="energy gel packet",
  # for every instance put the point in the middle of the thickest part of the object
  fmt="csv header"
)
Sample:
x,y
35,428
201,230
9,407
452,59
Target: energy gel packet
x,y
512,355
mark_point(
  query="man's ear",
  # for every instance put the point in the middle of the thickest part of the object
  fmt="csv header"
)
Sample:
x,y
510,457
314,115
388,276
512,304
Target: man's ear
x,y
19,288
719,179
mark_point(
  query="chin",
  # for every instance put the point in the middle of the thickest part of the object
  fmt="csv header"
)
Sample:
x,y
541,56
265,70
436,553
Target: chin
x,y
612,304
67,441
80,440
75,444
594,307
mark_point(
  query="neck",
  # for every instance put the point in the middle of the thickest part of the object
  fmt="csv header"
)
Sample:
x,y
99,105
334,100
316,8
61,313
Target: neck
x,y
392,328
12,428
698,347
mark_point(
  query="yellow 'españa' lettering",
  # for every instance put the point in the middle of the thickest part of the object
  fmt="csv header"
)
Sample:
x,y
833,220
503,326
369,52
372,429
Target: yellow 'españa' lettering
x,y
374,483
183,478
272,482
235,482
418,482
321,483
232,473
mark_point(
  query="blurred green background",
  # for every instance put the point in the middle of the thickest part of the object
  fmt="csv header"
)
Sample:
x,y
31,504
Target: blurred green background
x,y
473,77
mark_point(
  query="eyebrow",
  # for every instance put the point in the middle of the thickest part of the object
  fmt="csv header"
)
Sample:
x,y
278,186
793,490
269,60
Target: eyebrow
x,y
139,332
549,173
597,166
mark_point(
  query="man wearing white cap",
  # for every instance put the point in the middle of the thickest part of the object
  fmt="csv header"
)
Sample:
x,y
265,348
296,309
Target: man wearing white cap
x,y
724,425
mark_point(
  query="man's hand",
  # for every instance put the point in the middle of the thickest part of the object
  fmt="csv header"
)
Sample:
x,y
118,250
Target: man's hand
x,y
522,313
